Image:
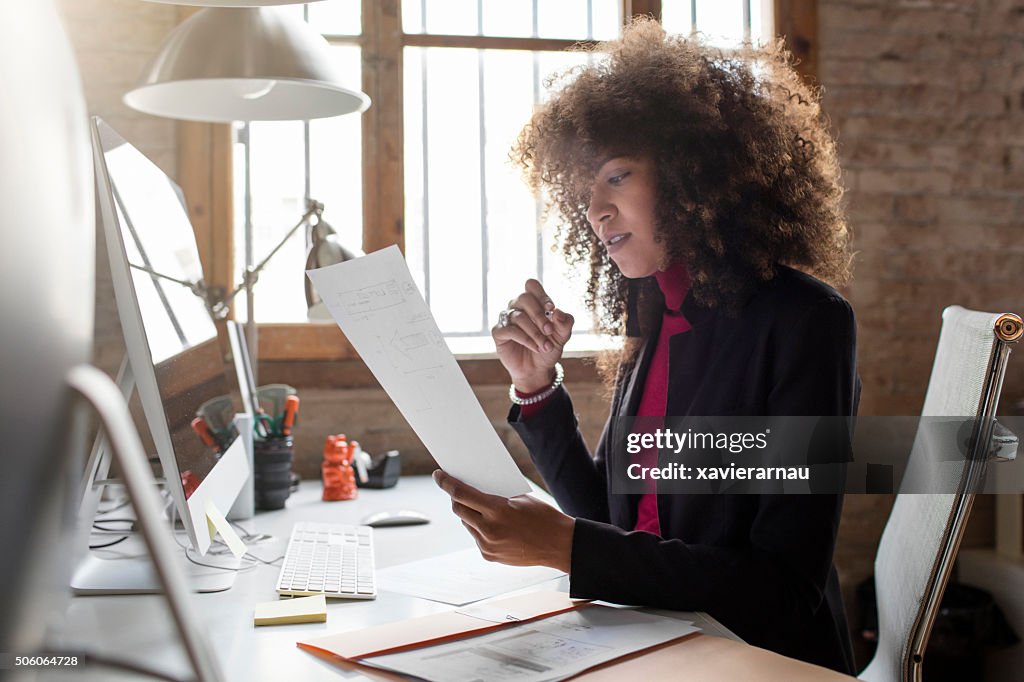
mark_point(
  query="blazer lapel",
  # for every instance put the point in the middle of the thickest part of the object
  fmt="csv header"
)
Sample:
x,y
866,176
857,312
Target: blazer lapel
x,y
688,358
635,386
622,508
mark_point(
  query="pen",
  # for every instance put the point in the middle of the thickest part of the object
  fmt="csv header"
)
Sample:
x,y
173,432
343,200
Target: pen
x,y
202,429
291,408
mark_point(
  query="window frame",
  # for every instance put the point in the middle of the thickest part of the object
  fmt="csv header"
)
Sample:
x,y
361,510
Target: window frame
x,y
205,155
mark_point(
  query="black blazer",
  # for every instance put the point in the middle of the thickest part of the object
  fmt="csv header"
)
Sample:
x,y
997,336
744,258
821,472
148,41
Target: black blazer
x,y
760,564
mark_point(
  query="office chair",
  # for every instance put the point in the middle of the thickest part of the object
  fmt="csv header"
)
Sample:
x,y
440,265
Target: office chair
x,y
921,538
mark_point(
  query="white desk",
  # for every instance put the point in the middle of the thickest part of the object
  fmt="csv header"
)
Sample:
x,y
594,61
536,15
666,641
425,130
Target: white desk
x,y
140,627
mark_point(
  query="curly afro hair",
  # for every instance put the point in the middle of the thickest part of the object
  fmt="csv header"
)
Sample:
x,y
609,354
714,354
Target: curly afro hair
x,y
747,173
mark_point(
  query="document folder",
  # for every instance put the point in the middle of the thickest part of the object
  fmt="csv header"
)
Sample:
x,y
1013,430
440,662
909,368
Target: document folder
x,y
442,627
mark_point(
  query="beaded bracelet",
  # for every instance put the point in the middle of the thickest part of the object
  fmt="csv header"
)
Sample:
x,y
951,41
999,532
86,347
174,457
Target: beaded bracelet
x,y
534,399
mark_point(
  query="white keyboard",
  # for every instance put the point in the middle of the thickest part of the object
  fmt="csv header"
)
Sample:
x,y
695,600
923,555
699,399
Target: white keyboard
x,y
333,560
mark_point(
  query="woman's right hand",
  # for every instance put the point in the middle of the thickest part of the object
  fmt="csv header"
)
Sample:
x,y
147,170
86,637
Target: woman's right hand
x,y
532,341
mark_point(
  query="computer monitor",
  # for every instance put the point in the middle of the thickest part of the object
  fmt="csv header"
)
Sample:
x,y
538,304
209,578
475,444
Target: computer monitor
x,y
173,359
243,367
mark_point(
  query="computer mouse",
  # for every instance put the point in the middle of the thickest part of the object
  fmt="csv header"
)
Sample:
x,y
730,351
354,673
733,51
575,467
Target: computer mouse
x,y
398,517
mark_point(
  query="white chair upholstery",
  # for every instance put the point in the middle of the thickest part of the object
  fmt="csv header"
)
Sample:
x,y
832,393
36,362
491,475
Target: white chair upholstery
x,y
916,553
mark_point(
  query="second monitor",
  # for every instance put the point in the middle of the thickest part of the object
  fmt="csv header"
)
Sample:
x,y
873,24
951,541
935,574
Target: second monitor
x,y
173,360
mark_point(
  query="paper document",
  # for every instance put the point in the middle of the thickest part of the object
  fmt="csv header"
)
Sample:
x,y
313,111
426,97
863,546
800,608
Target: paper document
x,y
540,651
444,626
382,313
460,578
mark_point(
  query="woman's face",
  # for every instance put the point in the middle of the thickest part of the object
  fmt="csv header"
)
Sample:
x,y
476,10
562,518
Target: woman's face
x,y
622,214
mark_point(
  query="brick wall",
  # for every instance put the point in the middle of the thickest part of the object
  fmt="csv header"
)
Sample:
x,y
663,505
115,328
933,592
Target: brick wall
x,y
927,101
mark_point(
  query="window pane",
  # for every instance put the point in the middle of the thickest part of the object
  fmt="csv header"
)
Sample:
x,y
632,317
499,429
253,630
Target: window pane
x,y
565,285
511,209
412,16
676,16
760,21
449,80
336,17
448,263
447,17
563,19
277,182
335,157
566,19
277,191
239,190
607,19
415,225
508,18
721,22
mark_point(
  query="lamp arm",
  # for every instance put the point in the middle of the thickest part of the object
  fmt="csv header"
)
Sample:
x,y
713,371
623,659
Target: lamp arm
x,y
196,287
252,274
214,304
217,304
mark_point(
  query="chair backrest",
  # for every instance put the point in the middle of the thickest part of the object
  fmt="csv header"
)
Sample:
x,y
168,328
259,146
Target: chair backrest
x,y
920,540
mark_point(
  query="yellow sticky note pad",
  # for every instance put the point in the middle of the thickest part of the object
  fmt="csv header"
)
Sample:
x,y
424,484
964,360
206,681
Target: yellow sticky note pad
x,y
216,523
285,611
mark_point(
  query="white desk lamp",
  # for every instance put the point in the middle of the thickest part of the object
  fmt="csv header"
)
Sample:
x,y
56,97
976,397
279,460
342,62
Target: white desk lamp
x,y
241,60
231,3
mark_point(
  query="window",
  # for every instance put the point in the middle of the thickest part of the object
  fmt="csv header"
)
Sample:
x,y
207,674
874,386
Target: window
x,y
452,83
279,164
472,230
727,24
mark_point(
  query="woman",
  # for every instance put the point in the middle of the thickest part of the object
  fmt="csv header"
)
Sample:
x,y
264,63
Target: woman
x,y
702,190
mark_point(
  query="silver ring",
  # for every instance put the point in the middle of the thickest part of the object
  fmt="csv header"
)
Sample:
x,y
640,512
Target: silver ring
x,y
505,316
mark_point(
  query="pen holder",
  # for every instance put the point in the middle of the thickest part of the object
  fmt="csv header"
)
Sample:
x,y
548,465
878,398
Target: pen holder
x,y
272,471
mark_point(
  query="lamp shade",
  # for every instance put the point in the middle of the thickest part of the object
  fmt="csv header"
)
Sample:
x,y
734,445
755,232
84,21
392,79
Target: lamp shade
x,y
231,3
227,64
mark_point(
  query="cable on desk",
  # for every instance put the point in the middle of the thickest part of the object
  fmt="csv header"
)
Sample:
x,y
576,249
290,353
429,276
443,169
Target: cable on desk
x,y
101,525
109,544
222,549
248,536
265,562
186,549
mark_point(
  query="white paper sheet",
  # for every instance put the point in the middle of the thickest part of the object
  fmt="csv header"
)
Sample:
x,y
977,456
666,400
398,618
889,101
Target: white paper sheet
x,y
382,313
550,649
460,578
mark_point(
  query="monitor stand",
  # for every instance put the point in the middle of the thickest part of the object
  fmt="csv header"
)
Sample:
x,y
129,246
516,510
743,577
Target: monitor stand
x,y
125,448
129,569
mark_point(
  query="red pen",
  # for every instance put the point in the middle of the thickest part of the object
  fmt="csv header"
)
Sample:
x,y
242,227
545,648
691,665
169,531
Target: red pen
x,y
202,429
291,408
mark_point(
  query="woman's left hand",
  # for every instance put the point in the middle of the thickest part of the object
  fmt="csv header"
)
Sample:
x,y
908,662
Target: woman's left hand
x,y
519,531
